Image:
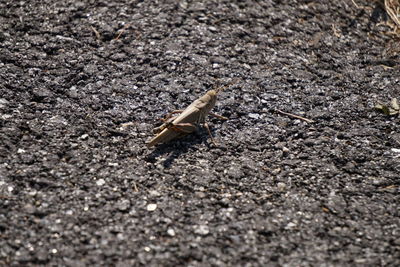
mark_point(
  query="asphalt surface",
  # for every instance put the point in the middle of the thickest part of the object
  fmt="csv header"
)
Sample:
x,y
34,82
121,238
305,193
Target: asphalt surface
x,y
83,83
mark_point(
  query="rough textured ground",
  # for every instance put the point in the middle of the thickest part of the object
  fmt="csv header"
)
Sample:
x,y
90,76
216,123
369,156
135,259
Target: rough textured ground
x,y
82,83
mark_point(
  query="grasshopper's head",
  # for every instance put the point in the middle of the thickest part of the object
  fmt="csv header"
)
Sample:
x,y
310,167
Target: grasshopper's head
x,y
212,93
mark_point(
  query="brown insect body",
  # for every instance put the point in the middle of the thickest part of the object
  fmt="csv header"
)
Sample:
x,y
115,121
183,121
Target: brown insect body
x,y
188,121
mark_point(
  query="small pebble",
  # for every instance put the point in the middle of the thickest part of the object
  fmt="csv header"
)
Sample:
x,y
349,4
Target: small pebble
x,y
100,182
281,186
290,226
254,115
395,150
151,207
212,29
123,205
171,232
3,103
202,230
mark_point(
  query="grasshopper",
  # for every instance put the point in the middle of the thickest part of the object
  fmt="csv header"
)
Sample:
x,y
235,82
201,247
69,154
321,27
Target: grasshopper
x,y
189,119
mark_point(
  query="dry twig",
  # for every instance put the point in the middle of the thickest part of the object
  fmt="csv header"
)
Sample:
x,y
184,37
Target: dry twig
x,y
392,7
122,31
98,37
295,116
354,2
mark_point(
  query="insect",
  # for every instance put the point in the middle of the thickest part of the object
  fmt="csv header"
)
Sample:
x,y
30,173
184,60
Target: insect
x,y
189,119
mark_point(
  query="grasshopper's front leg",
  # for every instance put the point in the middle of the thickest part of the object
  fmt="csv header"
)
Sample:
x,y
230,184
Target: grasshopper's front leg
x,y
209,132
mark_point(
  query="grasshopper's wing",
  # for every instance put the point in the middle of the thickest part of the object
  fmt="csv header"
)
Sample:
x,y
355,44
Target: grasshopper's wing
x,y
191,114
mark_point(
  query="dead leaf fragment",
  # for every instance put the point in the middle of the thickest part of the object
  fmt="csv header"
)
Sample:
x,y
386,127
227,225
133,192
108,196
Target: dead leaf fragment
x,y
392,109
395,104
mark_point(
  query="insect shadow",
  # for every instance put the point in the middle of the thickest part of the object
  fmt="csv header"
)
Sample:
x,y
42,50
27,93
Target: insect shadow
x,y
178,147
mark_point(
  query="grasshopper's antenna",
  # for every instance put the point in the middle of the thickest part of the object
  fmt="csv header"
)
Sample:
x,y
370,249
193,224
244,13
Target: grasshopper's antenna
x,y
226,86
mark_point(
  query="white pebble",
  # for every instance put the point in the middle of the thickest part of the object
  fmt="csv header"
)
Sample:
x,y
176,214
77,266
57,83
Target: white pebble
x,y
202,229
100,182
171,232
281,186
151,207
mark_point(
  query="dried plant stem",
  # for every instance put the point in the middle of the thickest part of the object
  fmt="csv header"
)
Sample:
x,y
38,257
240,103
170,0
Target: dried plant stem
x,y
295,116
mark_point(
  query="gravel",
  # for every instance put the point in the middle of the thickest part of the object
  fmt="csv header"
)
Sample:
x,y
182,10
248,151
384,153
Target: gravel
x,y
83,83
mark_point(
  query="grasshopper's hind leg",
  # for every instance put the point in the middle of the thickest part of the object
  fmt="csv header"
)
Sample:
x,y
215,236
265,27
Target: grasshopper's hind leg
x,y
169,115
169,118
185,128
